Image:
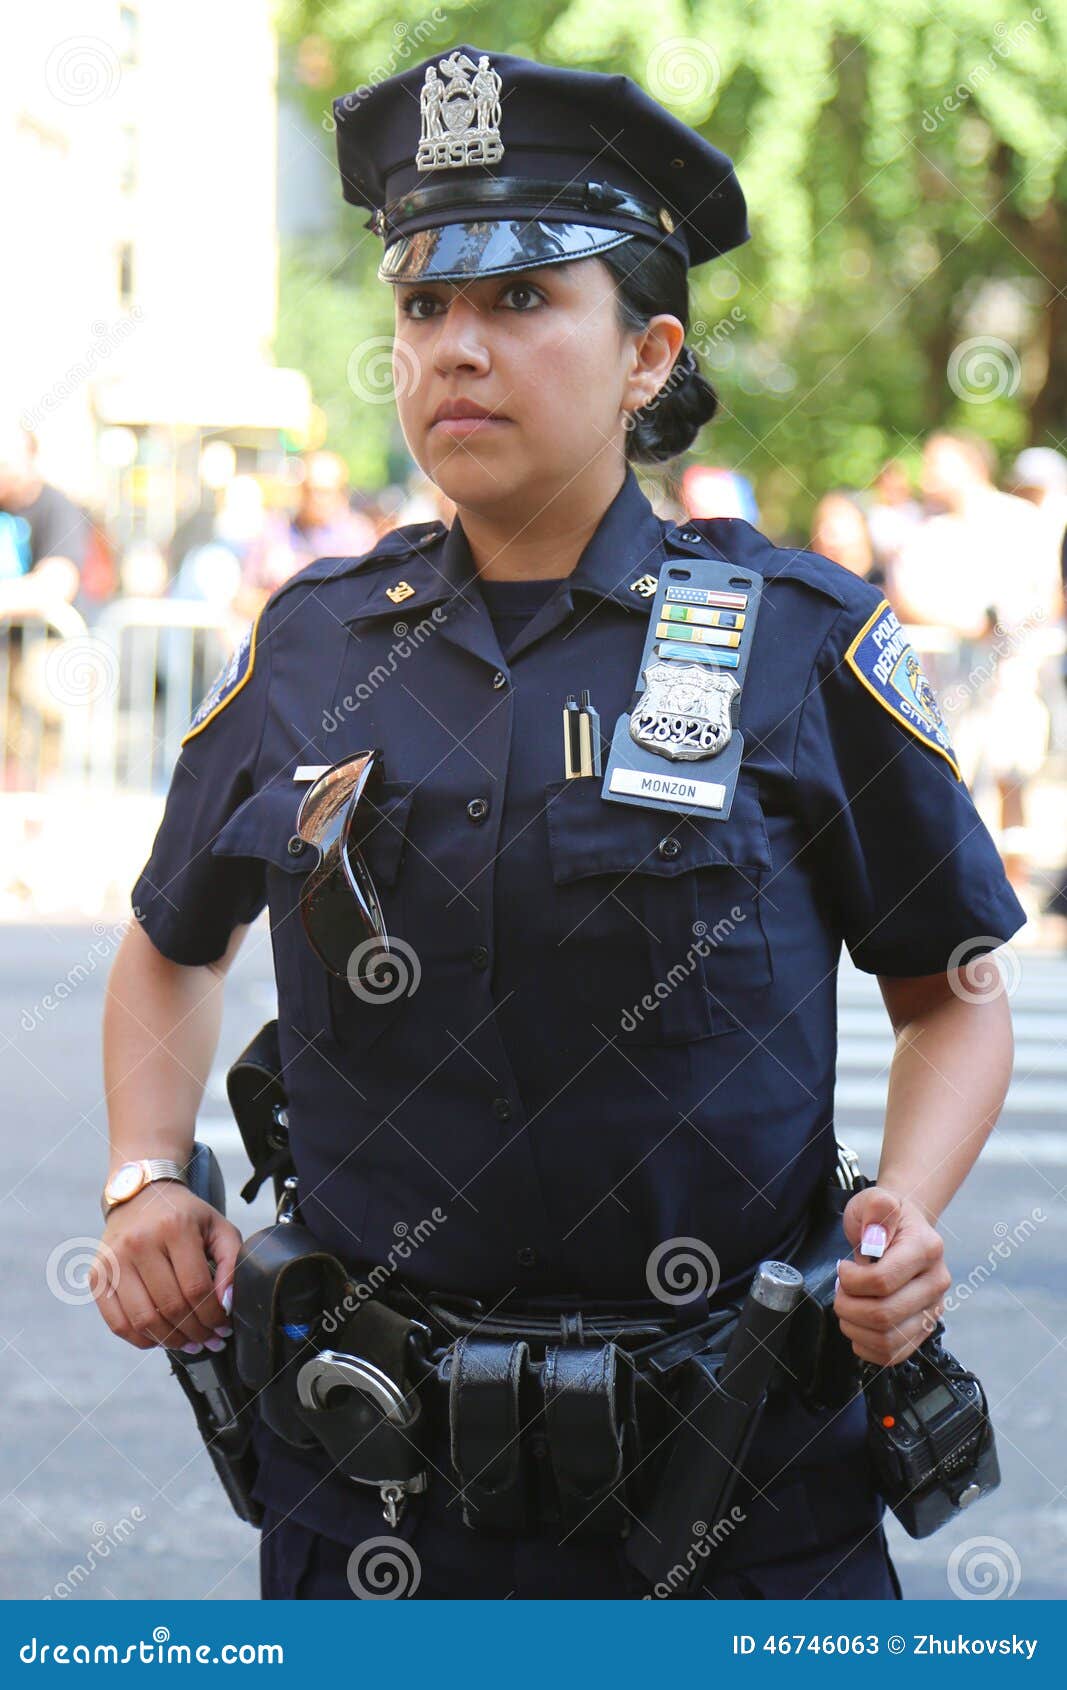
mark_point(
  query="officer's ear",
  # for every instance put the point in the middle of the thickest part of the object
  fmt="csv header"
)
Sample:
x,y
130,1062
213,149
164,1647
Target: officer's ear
x,y
655,350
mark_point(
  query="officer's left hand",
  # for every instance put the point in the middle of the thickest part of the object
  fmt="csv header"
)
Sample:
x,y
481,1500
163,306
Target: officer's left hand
x,y
887,1306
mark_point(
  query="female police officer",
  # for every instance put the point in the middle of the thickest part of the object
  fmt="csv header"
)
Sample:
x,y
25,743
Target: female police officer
x,y
562,1088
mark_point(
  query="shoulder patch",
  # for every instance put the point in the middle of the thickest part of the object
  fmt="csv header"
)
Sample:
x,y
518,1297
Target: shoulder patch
x,y
886,662
227,683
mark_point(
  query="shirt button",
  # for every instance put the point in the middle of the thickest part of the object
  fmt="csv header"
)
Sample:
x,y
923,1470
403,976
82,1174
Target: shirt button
x,y
478,809
295,845
669,847
479,956
502,1109
526,1257
500,679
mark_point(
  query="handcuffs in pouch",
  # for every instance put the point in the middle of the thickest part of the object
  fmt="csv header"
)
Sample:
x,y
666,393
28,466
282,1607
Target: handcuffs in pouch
x,y
355,1398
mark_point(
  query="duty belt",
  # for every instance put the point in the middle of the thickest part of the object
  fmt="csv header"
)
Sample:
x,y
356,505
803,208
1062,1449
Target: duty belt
x,y
555,1413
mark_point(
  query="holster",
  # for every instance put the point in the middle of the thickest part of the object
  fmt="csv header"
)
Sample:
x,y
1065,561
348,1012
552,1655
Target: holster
x,y
223,1407
257,1097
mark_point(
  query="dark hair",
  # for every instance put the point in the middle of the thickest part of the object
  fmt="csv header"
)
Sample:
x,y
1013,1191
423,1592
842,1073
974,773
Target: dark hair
x,y
649,279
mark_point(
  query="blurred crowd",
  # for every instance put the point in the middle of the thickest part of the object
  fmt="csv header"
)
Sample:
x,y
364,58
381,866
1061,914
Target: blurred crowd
x,y
977,571
971,560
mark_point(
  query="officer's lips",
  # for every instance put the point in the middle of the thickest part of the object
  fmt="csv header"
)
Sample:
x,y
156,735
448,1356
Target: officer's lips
x,y
461,417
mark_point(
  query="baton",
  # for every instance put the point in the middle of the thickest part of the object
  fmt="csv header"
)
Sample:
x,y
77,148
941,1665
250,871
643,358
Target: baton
x,y
721,1401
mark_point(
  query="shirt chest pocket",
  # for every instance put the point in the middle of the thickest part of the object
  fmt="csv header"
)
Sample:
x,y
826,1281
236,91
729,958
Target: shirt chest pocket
x,y
659,918
318,1004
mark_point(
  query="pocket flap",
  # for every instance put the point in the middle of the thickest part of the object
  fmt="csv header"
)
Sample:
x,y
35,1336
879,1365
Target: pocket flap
x,y
589,834
265,823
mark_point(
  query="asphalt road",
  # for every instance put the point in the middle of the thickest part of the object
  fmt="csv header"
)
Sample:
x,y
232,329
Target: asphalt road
x,y
107,1491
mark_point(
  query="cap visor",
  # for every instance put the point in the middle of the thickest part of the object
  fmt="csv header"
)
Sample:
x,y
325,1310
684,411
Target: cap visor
x,y
455,251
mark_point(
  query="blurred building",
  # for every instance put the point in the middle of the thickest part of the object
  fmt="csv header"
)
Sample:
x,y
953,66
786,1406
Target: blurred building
x,y
138,292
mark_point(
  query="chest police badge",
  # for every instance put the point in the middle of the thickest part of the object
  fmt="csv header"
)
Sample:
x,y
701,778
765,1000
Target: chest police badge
x,y
686,706
684,711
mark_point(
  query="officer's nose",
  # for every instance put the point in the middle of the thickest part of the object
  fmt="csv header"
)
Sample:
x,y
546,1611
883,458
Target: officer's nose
x,y
460,344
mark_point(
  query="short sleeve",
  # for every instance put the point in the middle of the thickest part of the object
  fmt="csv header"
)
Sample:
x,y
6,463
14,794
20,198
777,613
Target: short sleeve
x,y
901,851
187,900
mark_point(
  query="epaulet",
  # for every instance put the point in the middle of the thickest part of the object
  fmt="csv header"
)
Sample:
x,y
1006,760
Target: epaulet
x,y
399,542
739,541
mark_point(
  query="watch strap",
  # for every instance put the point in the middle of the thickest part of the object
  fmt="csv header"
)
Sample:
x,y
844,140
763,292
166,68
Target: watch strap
x,y
155,1167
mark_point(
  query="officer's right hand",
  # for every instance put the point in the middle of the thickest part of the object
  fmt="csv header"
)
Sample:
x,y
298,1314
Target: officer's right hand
x,y
152,1278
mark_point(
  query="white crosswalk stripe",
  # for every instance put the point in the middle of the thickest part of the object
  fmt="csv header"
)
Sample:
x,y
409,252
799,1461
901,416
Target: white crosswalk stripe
x,y
1032,1122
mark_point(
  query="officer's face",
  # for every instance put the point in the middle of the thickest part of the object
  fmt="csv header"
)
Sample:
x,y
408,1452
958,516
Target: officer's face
x,y
542,351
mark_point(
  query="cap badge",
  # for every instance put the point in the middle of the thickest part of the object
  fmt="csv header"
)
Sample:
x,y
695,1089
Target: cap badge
x,y
461,115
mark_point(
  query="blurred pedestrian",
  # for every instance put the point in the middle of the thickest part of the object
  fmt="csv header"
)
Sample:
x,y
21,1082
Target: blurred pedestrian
x,y
323,525
43,533
839,531
983,568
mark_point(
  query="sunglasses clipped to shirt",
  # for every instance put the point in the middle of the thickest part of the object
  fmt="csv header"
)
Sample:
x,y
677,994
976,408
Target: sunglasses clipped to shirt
x,y
338,903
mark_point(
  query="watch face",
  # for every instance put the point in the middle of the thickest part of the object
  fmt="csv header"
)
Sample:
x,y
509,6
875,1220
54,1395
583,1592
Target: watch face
x,y
125,1181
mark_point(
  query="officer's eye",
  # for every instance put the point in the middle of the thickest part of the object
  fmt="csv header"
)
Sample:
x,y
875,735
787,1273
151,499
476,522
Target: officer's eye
x,y
410,300
523,287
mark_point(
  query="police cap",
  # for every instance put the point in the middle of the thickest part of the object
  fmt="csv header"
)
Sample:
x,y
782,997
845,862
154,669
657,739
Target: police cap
x,y
476,163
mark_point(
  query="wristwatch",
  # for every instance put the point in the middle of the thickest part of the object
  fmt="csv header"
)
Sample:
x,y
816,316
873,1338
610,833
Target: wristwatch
x,y
132,1177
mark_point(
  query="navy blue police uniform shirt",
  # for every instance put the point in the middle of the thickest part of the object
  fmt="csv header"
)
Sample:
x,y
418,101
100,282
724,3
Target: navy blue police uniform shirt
x,y
560,1070
566,1078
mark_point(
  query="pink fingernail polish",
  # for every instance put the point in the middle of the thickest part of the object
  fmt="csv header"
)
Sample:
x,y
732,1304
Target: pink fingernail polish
x,y
227,1298
223,1331
873,1242
837,1286
192,1349
214,1344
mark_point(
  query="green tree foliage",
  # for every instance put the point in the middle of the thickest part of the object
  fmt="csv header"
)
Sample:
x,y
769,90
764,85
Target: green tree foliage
x,y
904,168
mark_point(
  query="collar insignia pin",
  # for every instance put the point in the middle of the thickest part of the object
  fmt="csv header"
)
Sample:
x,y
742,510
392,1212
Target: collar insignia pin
x,y
645,585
